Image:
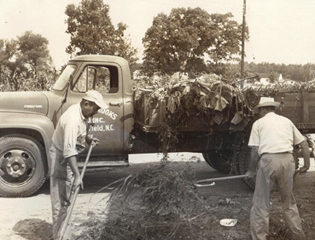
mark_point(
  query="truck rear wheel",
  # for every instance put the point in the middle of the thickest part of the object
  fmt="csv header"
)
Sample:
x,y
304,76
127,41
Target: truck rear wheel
x,y
219,160
243,158
22,170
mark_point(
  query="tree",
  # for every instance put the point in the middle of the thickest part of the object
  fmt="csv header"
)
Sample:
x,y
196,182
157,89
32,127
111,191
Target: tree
x,y
92,31
190,40
226,43
26,63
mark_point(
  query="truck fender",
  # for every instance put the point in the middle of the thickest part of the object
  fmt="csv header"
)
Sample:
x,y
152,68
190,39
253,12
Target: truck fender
x,y
13,123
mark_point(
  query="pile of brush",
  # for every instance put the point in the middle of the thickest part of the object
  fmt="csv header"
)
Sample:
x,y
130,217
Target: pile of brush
x,y
157,203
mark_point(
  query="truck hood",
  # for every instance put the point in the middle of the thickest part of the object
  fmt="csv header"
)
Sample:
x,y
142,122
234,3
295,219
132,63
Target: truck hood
x,y
35,102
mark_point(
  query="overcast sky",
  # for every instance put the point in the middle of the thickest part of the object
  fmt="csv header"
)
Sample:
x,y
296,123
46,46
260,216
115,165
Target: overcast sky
x,y
281,31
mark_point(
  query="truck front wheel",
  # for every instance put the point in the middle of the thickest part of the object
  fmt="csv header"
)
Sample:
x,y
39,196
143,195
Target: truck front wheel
x,y
22,170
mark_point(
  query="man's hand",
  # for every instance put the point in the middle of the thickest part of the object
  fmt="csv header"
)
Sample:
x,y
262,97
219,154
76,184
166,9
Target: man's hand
x,y
250,174
303,169
91,140
77,182
95,141
306,157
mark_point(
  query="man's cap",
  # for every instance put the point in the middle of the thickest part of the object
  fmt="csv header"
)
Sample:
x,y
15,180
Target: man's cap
x,y
96,97
267,102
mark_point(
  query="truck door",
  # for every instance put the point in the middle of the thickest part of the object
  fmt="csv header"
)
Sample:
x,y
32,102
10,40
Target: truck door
x,y
105,125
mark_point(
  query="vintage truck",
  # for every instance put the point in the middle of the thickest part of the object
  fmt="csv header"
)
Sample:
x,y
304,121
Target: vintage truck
x,y
27,121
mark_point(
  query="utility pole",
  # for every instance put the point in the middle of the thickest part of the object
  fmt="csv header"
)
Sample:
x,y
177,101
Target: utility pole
x,y
243,39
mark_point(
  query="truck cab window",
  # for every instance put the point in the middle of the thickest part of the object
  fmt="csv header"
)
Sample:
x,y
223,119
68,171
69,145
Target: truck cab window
x,y
101,78
106,80
102,83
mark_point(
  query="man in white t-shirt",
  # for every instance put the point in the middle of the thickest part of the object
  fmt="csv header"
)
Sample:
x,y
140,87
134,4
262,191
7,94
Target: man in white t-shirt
x,y
271,140
67,142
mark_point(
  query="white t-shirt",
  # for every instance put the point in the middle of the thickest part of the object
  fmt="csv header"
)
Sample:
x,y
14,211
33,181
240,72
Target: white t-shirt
x,y
274,134
70,133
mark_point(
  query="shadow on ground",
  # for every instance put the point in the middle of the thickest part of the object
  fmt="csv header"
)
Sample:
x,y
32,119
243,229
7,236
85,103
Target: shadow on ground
x,y
33,229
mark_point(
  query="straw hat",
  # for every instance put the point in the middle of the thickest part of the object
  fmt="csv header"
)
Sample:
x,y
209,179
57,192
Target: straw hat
x,y
267,102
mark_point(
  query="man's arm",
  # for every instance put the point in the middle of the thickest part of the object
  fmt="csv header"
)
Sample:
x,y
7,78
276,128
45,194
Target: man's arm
x,y
299,139
74,168
306,156
252,165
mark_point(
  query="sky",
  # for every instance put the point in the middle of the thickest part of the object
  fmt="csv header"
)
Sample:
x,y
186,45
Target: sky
x,y
280,31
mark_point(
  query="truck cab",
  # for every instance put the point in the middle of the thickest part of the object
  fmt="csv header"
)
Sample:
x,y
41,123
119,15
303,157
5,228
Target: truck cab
x,y
28,119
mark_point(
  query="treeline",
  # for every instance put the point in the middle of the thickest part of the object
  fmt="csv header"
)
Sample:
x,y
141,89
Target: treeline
x,y
187,40
300,73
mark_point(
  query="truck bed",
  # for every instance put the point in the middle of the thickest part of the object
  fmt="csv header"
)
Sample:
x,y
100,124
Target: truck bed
x,y
299,106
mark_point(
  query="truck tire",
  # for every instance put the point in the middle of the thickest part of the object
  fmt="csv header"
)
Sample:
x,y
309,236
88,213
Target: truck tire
x,y
22,170
243,158
219,160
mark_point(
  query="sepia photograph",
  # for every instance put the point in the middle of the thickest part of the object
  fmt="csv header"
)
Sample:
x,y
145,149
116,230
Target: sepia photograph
x,y
157,120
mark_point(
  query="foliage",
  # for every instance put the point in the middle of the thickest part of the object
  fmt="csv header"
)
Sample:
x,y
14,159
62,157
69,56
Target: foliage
x,y
204,103
175,104
92,31
253,93
25,63
192,41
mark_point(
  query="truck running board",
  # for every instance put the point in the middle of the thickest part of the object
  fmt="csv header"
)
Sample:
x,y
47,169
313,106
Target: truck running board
x,y
105,164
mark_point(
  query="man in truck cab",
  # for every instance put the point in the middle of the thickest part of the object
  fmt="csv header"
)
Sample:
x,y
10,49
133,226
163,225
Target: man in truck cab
x,y
271,140
67,142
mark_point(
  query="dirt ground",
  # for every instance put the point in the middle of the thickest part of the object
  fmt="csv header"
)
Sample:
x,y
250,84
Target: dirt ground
x,y
30,218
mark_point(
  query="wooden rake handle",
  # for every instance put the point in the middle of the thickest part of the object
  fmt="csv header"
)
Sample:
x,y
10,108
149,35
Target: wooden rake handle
x,y
209,181
73,197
